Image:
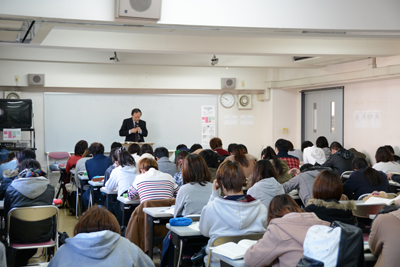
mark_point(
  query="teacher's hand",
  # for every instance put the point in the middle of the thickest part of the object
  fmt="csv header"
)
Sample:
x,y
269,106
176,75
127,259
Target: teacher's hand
x,y
133,130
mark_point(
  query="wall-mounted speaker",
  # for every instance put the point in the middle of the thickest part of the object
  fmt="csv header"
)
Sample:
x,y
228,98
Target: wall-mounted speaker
x,y
244,101
12,95
36,79
142,9
228,83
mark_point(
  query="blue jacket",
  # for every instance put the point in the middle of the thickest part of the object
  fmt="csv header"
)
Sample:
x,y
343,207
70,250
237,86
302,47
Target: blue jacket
x,y
97,165
359,184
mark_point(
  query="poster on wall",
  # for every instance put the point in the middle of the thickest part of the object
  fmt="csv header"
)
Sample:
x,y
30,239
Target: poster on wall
x,y
367,119
12,134
209,126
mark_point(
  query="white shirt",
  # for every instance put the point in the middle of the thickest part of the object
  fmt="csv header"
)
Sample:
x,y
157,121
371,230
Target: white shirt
x,y
121,177
386,167
314,154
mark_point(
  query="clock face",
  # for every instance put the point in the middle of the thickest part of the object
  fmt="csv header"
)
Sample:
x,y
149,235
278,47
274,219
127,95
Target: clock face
x,y
227,100
244,100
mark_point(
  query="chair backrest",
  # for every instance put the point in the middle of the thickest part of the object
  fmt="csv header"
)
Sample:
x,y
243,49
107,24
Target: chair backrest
x,y
346,174
58,155
33,214
364,210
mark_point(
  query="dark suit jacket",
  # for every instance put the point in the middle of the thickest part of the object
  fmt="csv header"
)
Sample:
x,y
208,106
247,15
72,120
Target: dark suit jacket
x,y
127,125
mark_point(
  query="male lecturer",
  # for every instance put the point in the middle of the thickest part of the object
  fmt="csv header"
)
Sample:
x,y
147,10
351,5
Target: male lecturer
x,y
134,128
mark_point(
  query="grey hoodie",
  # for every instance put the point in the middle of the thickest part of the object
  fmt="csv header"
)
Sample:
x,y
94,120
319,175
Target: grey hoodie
x,y
303,182
104,248
229,218
265,189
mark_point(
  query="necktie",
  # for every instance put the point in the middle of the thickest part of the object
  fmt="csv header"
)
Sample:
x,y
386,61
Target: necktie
x,y
136,134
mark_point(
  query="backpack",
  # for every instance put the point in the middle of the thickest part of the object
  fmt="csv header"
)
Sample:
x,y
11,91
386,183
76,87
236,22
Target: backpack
x,y
340,244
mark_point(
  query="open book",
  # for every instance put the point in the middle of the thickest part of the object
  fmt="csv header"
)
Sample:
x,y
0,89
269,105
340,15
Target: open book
x,y
379,200
232,250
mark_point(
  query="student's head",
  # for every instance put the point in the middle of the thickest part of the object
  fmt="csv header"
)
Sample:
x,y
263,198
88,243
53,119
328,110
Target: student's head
x,y
134,148
136,114
25,154
263,169
359,163
230,147
29,164
291,147
97,219
383,155
372,175
306,144
116,145
390,148
268,153
114,154
215,143
322,142
180,157
281,205
194,170
124,158
210,157
335,147
146,149
178,147
282,145
240,152
145,164
327,185
161,152
96,148
230,176
194,147
80,147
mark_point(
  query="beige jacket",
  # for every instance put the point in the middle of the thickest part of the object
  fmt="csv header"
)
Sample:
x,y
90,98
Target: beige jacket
x,y
384,240
249,169
282,244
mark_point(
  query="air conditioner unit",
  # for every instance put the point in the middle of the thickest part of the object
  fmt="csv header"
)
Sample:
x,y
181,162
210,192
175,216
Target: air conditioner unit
x,y
244,101
12,95
228,83
141,9
36,79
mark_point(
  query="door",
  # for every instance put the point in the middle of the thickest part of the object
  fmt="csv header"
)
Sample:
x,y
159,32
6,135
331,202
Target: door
x,y
322,114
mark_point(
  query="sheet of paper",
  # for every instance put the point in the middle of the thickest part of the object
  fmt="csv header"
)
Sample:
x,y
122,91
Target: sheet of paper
x,y
208,111
11,134
246,119
231,120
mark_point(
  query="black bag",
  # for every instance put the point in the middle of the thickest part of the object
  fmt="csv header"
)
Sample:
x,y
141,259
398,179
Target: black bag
x,y
198,258
61,238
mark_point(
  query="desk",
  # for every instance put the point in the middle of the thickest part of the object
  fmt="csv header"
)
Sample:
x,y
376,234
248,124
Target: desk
x,y
156,215
127,204
81,181
185,234
108,195
93,186
226,262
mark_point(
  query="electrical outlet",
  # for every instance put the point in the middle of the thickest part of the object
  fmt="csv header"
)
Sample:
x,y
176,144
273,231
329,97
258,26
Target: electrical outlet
x,y
242,83
16,78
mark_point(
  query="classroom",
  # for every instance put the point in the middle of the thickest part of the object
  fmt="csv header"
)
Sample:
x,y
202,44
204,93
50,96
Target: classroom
x,y
354,45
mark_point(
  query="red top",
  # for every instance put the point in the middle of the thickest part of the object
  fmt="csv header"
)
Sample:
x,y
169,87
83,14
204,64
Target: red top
x,y
71,163
222,152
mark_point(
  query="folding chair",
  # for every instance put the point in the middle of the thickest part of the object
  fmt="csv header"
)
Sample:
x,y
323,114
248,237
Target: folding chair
x,y
33,214
346,174
55,156
225,239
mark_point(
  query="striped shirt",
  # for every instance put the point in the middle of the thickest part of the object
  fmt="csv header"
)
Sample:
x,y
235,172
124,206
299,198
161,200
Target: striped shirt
x,y
153,185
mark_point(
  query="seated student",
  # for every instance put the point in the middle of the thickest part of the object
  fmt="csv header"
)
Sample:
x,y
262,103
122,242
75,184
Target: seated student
x,y
32,188
95,166
364,180
246,160
216,145
280,165
98,242
384,239
312,154
179,161
196,189
80,148
282,148
282,244
9,164
81,164
11,174
211,159
164,165
230,148
122,176
385,161
115,164
152,184
340,160
264,182
322,143
395,157
295,152
303,181
146,151
327,191
181,147
221,216
134,150
194,148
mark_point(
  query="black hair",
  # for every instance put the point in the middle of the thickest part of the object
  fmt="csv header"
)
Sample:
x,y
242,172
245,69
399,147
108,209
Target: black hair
x,y
322,142
80,147
306,144
134,148
282,145
96,148
194,147
125,159
146,148
390,148
113,154
136,110
161,152
178,147
116,145
231,147
29,164
372,175
210,157
269,154
25,154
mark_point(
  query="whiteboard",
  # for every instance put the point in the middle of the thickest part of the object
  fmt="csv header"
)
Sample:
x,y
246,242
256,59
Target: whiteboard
x,y
170,119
